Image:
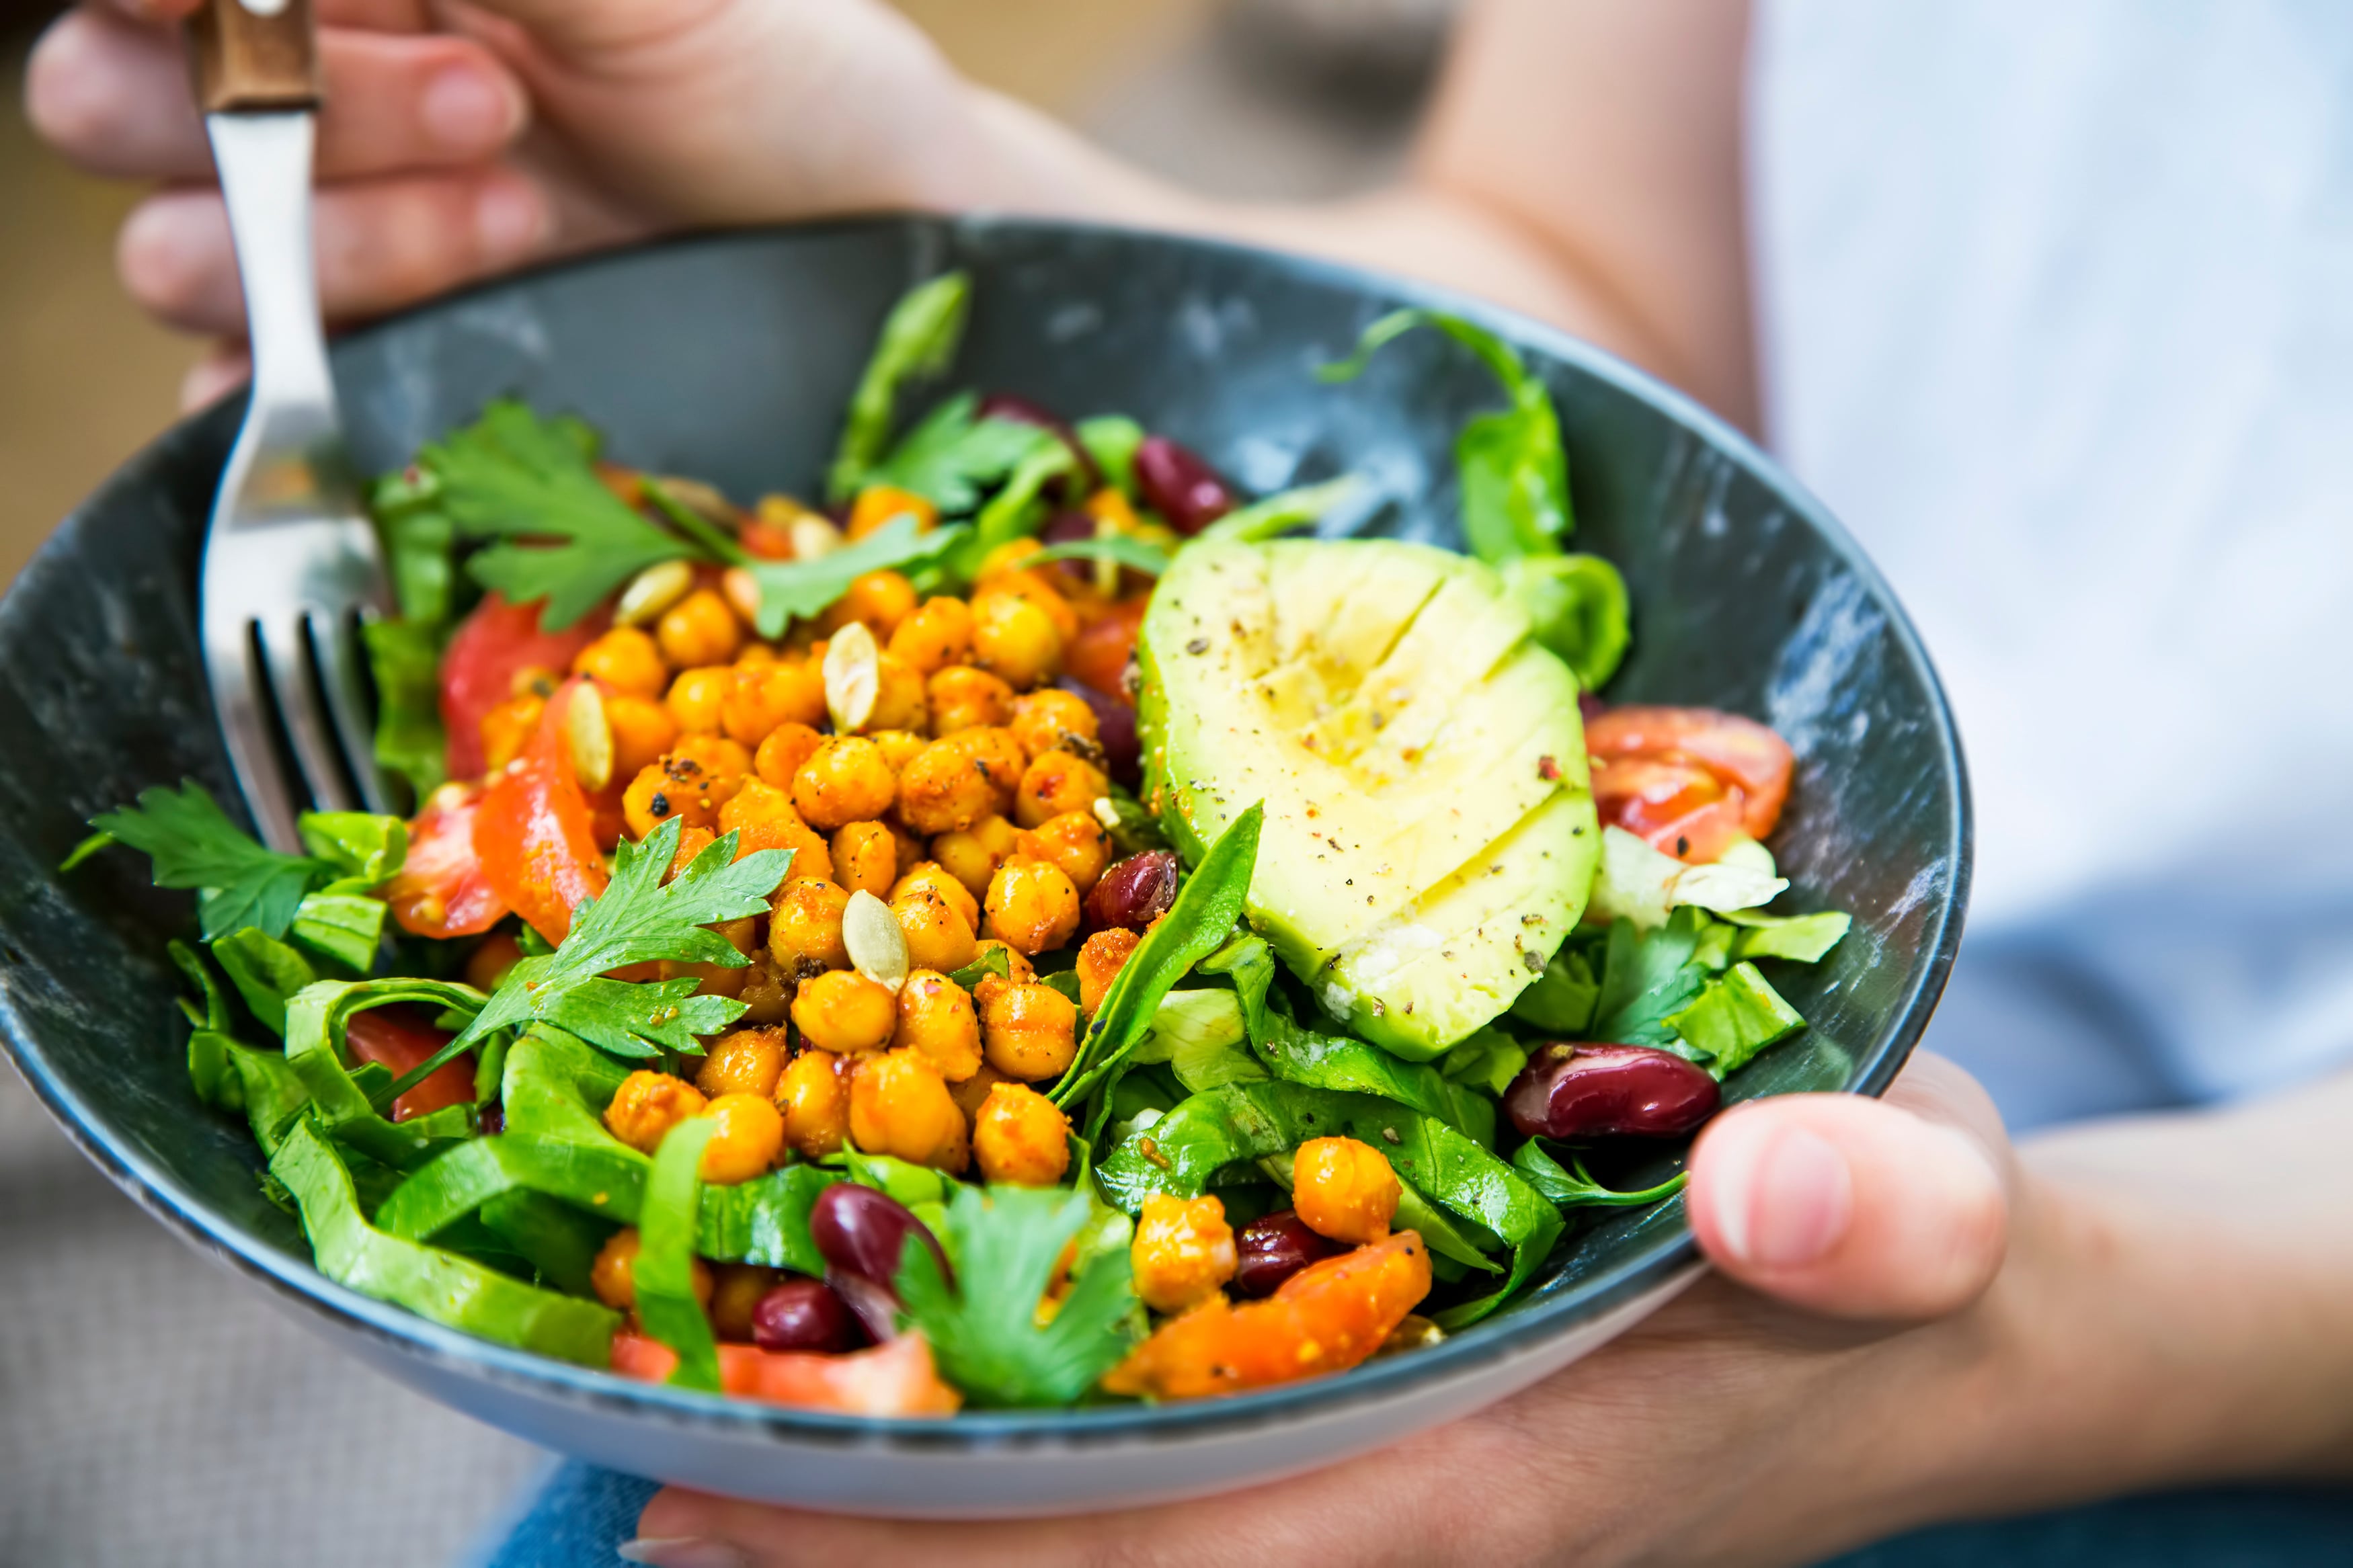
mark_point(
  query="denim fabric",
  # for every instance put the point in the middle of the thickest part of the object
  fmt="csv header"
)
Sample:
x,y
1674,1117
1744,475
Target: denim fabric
x,y
575,1519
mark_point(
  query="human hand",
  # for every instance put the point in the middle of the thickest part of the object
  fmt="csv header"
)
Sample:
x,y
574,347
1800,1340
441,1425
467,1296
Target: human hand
x,y
1727,1428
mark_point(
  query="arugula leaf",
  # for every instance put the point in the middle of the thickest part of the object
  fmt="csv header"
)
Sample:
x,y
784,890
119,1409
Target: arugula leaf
x,y
1110,441
265,972
1141,554
194,845
804,589
1646,976
1735,1016
1578,607
1200,1034
952,453
984,1330
511,477
1544,1173
1281,511
918,340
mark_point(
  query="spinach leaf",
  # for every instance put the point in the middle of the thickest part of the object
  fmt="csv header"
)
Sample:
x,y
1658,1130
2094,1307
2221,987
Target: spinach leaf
x,y
1580,1190
265,972
918,340
1199,1034
1646,976
1735,1015
1577,606
349,1109
664,1271
952,454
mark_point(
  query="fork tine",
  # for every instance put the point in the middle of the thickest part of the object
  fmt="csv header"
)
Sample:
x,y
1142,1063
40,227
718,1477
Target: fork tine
x,y
334,644
297,708
229,664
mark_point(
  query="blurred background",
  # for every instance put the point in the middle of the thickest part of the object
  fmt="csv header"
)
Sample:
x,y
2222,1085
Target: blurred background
x,y
154,1410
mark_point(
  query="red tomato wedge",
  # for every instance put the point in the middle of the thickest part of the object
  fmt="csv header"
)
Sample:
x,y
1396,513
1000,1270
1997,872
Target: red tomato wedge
x,y
1097,655
441,890
534,831
1678,807
894,1379
1740,752
490,647
397,1038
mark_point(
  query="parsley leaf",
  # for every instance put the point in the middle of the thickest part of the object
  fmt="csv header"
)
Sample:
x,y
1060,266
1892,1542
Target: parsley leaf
x,y
805,588
985,1334
949,458
917,340
514,477
194,844
1648,975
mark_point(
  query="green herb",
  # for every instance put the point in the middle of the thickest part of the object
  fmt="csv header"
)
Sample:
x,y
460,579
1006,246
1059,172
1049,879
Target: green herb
x,y
1110,441
1735,1016
405,656
1802,939
419,544
1578,607
1580,1190
1487,1058
805,588
265,972
1126,549
346,929
351,1102
985,1329
1561,999
1017,510
1281,511
194,845
918,341
1200,1035
993,962
1647,976
664,1271
952,454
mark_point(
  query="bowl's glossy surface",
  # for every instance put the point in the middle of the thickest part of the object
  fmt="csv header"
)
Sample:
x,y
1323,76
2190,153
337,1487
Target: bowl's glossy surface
x,y
729,358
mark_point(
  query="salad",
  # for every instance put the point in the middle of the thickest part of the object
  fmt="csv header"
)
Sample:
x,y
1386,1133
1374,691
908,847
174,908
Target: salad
x,y
1024,929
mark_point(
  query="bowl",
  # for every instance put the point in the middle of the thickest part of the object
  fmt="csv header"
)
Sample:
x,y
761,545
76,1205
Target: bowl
x,y
729,357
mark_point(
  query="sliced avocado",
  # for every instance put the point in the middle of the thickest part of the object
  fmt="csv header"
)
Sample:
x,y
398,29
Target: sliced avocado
x,y
1429,834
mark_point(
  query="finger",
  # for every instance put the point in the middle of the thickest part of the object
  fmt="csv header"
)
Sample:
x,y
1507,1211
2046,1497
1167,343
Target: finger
x,y
222,371
1891,1209
114,98
383,16
381,244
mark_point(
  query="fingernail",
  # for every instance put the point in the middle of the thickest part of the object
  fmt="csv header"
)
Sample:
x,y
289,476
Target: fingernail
x,y
467,108
1799,1202
683,1552
510,218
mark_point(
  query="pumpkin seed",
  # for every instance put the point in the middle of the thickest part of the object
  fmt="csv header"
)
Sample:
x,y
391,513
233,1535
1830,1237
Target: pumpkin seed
x,y
854,677
877,947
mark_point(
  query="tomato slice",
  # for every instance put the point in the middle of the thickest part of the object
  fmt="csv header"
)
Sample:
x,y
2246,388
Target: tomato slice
x,y
1098,655
441,890
399,1040
1742,754
1676,807
534,832
490,647
894,1379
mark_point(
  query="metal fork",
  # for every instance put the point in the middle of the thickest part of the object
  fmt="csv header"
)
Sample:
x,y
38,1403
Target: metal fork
x,y
291,562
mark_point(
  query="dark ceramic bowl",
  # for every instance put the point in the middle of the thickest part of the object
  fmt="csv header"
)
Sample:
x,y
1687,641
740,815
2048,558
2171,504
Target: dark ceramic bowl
x,y
729,358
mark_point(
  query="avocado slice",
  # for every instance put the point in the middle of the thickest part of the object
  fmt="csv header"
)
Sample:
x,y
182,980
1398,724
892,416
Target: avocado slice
x,y
1429,835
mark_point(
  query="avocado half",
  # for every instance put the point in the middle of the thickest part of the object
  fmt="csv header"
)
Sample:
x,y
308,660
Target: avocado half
x,y
1429,836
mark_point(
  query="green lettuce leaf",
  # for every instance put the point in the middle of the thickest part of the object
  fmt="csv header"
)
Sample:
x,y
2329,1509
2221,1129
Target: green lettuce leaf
x,y
918,341
664,1271
1735,1015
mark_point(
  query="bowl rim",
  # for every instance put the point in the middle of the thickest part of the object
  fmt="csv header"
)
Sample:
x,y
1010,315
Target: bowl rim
x,y
1522,1333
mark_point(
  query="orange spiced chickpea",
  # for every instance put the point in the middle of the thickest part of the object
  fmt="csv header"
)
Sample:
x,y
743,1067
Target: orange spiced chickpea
x,y
934,636
697,698
972,855
961,697
1021,1137
900,1106
1075,841
626,661
780,756
748,1061
843,1012
1051,718
1100,958
944,789
804,927
1027,1031
865,857
937,1023
813,1094
761,696
762,819
1032,906
938,936
1183,1252
846,780
699,629
648,1105
1058,782
1343,1189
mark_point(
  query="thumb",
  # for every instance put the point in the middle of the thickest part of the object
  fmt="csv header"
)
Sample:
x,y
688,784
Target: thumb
x,y
1894,1209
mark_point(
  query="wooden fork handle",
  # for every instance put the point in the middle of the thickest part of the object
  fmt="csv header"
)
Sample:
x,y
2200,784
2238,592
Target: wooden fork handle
x,y
254,55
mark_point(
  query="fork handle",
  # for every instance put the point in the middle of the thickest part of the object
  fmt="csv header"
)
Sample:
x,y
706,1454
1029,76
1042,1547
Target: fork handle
x,y
255,55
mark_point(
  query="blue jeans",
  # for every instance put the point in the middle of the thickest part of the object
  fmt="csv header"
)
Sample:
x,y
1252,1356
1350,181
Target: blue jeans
x,y
579,1515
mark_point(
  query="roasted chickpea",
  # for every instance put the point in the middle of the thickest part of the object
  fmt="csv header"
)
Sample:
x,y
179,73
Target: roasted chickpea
x,y
814,1097
900,702
783,752
751,1135
755,655
767,994
944,789
1075,841
761,696
899,747
805,926
843,1012
999,757
1344,1189
877,505
1051,718
654,797
697,699
937,636
488,963
1021,1137
626,661
699,629
614,1275
1013,639
961,697
691,842
929,876
737,1290
1034,587
1101,959
765,819
648,1105
936,1021
865,857
1007,557
845,781
1032,906
972,856
725,764
1027,1031
715,979
1183,1251
900,1106
1056,783
938,936
1017,967
745,1062
643,730
507,729
879,599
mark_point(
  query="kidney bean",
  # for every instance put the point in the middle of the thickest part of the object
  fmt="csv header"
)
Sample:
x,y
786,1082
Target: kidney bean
x,y
490,1120
1019,410
801,1314
1114,732
1273,1248
1066,527
862,1236
1570,1091
1178,485
1133,892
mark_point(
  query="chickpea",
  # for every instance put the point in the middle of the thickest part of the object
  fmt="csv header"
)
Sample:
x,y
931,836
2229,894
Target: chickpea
x,y
843,1012
1006,557
755,655
865,857
1017,967
1076,842
783,752
928,876
963,697
899,1105
973,855
944,788
488,963
1056,783
643,730
715,979
1014,639
973,1093
880,599
1183,1251
1045,720
1032,905
691,842
999,757
697,696
1102,958
845,781
1021,1137
648,1105
938,936
745,1062
761,696
762,819
899,698
1037,588
626,661
1344,1189
899,747
936,1022
614,1275
880,504
725,764
804,927
814,1096
657,795
767,994
507,729
751,1135
699,629
937,636
1027,1031
738,1289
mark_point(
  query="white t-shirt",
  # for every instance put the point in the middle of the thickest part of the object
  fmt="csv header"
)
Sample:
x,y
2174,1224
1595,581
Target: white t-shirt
x,y
2057,298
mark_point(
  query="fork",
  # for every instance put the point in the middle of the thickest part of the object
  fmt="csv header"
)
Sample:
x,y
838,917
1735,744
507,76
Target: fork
x,y
291,562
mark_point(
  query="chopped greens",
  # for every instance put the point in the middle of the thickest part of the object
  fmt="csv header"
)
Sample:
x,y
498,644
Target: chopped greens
x,y
918,341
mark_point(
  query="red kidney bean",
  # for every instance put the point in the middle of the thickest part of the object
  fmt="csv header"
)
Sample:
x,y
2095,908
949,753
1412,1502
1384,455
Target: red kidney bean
x,y
490,1120
1066,527
1273,1248
1133,892
801,1314
1178,485
862,1236
1019,410
1570,1091
1114,732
